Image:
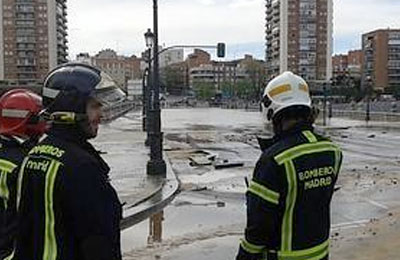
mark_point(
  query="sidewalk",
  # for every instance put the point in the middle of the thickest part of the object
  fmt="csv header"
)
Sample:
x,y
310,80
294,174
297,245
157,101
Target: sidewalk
x,y
121,143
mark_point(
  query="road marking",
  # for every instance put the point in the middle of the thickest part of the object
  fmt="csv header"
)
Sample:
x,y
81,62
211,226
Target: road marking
x,y
350,224
379,205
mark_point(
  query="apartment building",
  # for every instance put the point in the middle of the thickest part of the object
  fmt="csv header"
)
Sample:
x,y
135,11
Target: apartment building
x,y
33,39
355,60
120,68
170,57
381,53
226,72
340,65
299,38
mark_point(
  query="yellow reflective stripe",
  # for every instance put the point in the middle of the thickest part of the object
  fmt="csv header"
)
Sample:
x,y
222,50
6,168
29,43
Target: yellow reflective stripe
x,y
287,223
251,248
279,90
7,166
314,253
50,243
338,156
20,179
4,192
310,136
303,87
263,192
303,149
10,256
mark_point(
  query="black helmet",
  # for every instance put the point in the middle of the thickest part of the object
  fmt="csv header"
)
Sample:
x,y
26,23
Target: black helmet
x,y
68,87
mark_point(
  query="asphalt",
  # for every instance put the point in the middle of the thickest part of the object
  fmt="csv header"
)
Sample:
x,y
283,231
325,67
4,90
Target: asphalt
x,y
121,143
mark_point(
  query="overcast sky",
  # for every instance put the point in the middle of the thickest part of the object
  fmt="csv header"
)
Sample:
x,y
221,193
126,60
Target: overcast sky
x,y
120,24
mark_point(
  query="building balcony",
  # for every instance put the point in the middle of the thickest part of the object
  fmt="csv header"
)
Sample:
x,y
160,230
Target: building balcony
x,y
63,3
62,17
25,48
26,64
25,24
24,9
26,40
23,70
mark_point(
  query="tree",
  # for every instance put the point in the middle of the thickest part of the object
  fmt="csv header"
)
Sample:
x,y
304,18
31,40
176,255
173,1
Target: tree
x,y
256,71
227,89
174,80
204,90
395,91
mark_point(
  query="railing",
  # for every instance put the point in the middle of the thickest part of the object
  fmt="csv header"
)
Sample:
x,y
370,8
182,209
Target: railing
x,y
112,112
361,115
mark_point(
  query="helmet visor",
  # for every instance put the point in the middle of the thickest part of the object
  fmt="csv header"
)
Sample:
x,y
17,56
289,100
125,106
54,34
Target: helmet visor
x,y
107,92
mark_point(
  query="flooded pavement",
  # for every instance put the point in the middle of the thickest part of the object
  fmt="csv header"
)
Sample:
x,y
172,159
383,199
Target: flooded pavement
x,y
207,219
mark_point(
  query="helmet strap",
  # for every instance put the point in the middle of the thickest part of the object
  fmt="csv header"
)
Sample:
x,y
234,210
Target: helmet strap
x,y
67,118
80,121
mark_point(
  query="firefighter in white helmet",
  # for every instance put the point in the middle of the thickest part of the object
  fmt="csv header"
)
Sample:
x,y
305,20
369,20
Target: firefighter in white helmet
x,y
288,199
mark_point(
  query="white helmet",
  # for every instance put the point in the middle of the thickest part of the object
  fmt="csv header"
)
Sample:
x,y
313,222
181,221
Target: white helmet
x,y
285,90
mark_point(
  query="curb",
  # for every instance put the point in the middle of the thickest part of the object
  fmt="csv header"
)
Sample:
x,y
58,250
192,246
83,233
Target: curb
x,y
153,203
154,192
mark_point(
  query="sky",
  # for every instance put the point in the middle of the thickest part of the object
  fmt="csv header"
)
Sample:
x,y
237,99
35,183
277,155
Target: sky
x,y
94,25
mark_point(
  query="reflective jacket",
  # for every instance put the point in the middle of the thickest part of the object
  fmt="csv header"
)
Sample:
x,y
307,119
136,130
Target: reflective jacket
x,y
68,208
288,199
12,152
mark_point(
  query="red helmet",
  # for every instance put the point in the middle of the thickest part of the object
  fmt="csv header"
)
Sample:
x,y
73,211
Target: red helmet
x,y
19,114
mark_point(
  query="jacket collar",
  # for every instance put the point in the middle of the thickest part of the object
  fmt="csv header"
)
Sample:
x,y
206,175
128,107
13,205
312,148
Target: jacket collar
x,y
17,142
299,127
68,133
72,134
265,143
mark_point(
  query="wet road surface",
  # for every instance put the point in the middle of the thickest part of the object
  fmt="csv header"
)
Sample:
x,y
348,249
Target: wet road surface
x,y
207,219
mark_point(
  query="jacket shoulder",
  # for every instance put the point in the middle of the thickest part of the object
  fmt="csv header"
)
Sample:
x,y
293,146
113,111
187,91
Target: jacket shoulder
x,y
60,150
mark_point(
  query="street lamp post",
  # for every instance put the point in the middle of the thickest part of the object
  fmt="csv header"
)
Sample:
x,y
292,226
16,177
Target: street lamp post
x,y
145,86
156,165
149,37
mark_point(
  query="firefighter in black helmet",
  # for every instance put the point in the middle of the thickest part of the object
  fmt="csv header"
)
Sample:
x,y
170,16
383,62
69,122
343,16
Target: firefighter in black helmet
x,y
288,199
68,207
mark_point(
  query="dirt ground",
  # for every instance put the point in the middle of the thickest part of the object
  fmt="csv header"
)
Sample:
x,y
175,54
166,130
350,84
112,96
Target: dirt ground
x,y
378,240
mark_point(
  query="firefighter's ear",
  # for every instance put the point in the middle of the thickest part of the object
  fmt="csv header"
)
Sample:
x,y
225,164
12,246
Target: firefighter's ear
x,y
313,114
270,113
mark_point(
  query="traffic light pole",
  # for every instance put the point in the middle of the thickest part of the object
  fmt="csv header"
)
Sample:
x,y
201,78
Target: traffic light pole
x,y
220,47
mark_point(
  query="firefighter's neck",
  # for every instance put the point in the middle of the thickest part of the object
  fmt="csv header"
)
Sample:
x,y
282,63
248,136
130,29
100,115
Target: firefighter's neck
x,y
285,125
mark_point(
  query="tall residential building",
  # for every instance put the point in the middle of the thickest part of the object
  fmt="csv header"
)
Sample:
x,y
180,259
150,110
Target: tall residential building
x,y
299,38
382,58
33,39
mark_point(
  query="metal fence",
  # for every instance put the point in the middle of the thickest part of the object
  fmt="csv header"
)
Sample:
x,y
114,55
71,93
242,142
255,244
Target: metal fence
x,y
114,111
361,115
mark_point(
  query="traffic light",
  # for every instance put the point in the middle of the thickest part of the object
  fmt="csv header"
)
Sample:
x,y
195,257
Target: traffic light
x,y
221,50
